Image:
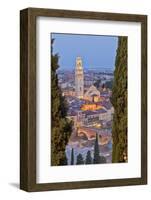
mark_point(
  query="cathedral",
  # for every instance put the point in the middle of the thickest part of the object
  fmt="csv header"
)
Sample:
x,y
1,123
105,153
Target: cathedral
x,y
92,94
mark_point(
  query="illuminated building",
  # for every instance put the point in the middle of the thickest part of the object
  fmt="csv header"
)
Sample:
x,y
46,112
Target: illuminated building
x,y
90,106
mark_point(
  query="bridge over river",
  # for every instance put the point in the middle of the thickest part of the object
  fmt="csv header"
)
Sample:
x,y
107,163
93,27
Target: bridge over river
x,y
90,134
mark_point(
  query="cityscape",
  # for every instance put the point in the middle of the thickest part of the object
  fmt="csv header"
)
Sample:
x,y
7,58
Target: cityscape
x,y
88,99
88,94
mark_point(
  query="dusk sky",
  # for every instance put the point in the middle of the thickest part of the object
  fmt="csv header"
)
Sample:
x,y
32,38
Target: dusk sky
x,y
95,51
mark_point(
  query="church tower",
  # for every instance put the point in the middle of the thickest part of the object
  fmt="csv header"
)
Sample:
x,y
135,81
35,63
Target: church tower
x,y
79,78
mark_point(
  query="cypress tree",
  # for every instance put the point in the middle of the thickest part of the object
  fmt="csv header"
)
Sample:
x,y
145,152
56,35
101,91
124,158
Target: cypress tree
x,y
80,160
61,128
96,158
88,158
72,156
102,159
119,102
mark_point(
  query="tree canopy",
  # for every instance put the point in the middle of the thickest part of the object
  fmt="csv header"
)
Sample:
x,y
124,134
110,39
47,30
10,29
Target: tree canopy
x,y
88,158
80,160
96,158
72,156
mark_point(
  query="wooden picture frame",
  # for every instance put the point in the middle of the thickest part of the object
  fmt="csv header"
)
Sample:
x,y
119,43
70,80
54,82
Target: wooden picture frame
x,y
28,98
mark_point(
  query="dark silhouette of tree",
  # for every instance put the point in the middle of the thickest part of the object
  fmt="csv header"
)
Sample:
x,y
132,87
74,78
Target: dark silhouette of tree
x,y
61,127
119,102
108,84
97,83
88,158
72,156
80,160
102,159
96,158
103,86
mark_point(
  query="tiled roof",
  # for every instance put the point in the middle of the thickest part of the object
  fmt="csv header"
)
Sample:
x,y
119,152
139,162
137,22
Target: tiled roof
x,y
72,113
89,112
101,111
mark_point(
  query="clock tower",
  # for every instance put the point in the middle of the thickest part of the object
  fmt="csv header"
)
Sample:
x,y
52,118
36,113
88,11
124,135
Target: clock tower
x,y
79,78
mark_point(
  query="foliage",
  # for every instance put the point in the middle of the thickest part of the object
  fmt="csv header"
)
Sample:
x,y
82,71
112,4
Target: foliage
x,y
102,159
72,156
119,101
96,158
88,158
80,160
61,128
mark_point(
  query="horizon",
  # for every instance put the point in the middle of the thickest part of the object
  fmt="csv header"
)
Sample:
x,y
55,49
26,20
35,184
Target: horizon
x,y
88,47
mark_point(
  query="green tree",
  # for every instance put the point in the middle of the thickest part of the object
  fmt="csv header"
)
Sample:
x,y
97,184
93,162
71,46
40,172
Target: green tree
x,y
80,160
88,158
96,158
119,102
61,127
72,156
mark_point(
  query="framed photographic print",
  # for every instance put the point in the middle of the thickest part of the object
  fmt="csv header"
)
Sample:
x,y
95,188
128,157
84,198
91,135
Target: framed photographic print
x,y
83,99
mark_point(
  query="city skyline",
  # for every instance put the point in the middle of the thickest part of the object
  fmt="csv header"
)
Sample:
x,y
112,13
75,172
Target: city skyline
x,y
91,112
96,51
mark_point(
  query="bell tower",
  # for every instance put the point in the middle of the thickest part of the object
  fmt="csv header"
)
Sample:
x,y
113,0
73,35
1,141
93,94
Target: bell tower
x,y
79,78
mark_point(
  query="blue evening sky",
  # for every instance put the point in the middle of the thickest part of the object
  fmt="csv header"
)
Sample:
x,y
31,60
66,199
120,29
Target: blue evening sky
x,y
95,51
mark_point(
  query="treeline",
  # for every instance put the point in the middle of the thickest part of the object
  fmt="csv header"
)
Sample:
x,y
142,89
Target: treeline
x,y
119,102
96,159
